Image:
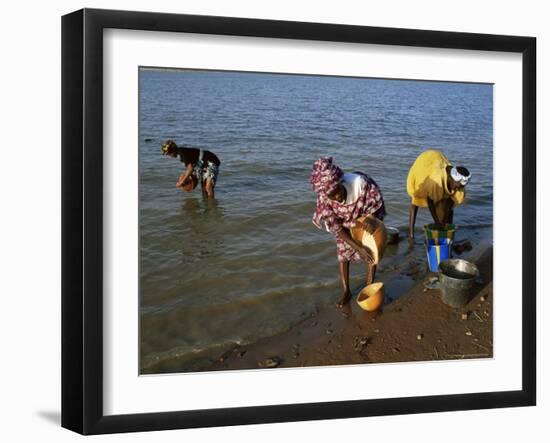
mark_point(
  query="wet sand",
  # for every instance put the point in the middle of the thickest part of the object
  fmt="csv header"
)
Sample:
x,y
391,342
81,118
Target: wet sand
x,y
416,327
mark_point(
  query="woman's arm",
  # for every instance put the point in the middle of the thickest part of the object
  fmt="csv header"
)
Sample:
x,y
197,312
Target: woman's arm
x,y
431,205
184,175
449,206
413,210
363,251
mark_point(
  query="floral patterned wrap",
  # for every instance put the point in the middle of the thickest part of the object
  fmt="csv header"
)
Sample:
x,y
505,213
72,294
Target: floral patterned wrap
x,y
337,216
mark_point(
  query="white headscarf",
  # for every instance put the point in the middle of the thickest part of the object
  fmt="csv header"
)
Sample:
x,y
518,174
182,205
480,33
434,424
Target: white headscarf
x,y
459,178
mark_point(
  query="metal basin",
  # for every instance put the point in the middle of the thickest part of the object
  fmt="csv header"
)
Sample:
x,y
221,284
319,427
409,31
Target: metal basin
x,y
393,235
457,279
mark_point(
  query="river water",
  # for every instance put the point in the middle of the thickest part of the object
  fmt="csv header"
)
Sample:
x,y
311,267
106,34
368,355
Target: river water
x,y
249,263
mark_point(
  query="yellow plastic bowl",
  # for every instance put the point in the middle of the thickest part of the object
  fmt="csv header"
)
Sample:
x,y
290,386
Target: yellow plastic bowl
x,y
371,297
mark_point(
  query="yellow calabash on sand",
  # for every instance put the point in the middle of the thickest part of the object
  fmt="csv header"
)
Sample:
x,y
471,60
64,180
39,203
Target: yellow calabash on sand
x,y
372,296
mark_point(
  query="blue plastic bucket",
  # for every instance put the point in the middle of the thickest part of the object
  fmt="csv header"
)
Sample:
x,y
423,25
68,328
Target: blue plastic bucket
x,y
438,250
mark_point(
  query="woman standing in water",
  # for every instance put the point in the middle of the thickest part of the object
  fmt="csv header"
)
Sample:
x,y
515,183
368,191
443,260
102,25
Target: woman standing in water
x,y
434,183
200,165
342,198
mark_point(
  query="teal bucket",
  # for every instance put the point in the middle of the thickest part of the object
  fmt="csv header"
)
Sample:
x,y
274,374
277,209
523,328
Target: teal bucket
x,y
438,250
434,232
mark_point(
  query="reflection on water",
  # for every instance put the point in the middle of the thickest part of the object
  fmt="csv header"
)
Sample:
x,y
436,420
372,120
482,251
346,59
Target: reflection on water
x,y
249,262
194,206
205,240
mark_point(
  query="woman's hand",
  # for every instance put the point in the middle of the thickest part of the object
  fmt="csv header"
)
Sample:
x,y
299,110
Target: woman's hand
x,y
366,254
182,180
184,176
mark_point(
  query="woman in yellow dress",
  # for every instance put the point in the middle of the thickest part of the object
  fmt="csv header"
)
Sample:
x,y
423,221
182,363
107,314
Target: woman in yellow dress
x,y
434,183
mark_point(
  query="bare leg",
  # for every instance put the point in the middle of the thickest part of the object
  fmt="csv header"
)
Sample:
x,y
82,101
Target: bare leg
x,y
371,273
344,277
413,210
209,188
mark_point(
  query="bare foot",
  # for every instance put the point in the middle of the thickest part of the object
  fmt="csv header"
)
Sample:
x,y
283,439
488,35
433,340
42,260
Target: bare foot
x,y
346,297
346,310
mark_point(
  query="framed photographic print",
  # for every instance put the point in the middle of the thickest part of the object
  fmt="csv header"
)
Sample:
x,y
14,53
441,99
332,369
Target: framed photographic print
x,y
269,221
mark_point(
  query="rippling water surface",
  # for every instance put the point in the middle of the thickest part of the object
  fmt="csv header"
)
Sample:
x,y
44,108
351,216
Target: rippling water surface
x,y
250,263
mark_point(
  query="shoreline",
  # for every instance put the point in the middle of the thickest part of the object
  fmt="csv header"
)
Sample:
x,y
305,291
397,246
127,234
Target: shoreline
x,y
417,326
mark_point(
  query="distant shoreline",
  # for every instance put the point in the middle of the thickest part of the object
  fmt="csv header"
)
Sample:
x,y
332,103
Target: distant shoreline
x,y
306,74
160,69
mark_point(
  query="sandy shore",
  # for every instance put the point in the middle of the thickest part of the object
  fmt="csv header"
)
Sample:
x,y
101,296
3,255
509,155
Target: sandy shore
x,y
416,327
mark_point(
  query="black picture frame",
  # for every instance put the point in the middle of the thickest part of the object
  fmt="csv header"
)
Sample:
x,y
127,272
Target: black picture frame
x,y
82,218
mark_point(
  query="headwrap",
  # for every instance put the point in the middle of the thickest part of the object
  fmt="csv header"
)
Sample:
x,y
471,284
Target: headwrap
x,y
167,145
459,178
325,176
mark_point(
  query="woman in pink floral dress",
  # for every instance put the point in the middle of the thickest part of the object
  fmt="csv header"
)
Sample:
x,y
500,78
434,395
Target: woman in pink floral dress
x,y
341,199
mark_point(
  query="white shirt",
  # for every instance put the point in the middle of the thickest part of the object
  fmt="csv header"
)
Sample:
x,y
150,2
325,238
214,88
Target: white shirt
x,y
354,184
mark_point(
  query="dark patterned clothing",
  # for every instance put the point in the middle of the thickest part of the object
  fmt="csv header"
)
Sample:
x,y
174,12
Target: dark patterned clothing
x,y
363,198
